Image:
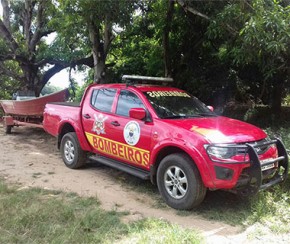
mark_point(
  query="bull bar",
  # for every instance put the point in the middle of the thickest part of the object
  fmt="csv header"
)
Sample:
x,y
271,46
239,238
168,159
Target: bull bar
x,y
252,182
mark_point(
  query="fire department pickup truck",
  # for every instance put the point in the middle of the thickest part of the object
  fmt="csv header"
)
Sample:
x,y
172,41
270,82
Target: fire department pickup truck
x,y
168,136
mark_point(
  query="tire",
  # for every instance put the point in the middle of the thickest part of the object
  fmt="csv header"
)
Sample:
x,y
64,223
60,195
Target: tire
x,y
179,182
72,154
8,129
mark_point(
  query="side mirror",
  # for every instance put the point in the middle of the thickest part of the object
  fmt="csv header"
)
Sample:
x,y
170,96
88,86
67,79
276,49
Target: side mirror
x,y
210,108
137,113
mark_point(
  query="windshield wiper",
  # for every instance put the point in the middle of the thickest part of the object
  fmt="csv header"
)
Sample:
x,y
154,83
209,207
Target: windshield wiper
x,y
175,117
181,116
207,114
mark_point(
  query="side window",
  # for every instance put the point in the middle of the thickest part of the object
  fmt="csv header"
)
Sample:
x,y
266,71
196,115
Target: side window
x,y
126,101
102,99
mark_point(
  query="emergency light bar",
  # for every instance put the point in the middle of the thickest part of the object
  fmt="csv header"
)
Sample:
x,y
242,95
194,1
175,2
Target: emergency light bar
x,y
132,78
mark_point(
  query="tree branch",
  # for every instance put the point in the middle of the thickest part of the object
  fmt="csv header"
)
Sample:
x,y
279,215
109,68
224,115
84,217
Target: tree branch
x,y
39,25
11,56
191,10
27,19
5,33
108,37
51,72
187,8
6,13
60,65
9,73
88,61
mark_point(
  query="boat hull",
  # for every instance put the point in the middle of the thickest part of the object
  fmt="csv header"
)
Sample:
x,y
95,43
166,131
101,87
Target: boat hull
x,y
32,107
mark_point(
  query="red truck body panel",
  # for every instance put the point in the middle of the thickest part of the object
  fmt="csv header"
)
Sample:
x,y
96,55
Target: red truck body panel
x,y
56,116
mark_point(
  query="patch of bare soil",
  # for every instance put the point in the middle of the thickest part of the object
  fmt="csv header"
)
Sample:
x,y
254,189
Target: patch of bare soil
x,y
30,157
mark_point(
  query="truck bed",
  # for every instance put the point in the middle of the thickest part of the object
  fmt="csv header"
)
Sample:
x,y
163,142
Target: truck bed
x,y
57,113
69,104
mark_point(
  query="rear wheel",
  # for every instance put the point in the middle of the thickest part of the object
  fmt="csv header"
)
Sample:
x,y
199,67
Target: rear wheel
x,y
179,182
72,154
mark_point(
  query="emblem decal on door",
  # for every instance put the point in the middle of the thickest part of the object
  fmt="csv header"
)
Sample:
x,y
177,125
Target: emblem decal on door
x,y
132,133
99,124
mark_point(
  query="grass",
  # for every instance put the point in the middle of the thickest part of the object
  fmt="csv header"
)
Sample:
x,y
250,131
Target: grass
x,y
157,231
41,216
270,208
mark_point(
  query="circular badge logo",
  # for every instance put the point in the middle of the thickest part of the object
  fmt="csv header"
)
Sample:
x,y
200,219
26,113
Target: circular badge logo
x,y
132,133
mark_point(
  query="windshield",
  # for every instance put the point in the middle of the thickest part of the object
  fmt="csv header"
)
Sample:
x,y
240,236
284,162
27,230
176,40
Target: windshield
x,y
177,104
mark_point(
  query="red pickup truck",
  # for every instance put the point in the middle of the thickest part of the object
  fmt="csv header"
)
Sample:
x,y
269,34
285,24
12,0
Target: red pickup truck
x,y
168,136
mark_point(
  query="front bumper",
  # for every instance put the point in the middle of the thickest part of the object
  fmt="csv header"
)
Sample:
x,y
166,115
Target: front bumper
x,y
253,179
256,174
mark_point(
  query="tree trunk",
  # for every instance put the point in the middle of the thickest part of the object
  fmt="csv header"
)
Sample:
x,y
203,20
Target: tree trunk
x,y
166,46
98,53
277,95
99,68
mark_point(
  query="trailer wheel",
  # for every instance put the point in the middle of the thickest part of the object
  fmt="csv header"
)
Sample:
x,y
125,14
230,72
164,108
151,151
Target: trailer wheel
x,y
8,129
72,154
179,182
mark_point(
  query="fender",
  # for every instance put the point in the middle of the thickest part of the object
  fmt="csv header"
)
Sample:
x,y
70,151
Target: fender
x,y
190,150
79,132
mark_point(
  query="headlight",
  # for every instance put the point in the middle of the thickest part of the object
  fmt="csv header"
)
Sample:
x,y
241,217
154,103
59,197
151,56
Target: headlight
x,y
221,152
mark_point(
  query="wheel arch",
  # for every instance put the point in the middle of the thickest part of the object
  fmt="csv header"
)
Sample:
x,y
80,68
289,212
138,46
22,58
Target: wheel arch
x,y
64,129
162,153
197,159
67,126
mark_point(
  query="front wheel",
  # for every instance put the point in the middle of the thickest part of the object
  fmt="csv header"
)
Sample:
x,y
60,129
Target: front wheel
x,y
72,154
179,182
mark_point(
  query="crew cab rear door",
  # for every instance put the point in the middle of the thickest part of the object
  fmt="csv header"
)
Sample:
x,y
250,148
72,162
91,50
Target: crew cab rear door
x,y
96,114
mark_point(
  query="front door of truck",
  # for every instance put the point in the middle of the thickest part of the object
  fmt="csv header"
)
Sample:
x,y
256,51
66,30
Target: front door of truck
x,y
133,136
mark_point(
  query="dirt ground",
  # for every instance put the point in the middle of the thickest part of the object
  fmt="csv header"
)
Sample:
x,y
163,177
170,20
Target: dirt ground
x,y
29,156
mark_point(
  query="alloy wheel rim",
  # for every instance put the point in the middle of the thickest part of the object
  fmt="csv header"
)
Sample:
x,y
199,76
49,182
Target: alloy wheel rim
x,y
175,182
69,151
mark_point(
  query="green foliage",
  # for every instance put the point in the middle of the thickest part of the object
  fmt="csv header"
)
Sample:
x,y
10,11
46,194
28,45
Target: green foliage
x,y
9,85
287,100
30,22
81,89
240,52
261,116
255,42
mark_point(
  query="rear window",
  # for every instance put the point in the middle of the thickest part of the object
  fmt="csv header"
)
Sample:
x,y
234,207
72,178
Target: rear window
x,y
102,99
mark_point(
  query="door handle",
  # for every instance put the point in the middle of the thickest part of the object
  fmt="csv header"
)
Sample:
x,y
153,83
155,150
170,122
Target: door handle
x,y
115,123
86,116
